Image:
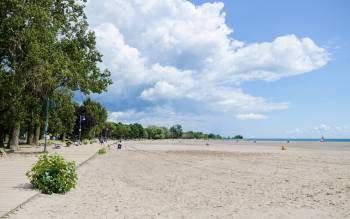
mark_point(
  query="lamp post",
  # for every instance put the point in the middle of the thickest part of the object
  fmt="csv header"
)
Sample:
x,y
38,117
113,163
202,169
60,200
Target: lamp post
x,y
81,118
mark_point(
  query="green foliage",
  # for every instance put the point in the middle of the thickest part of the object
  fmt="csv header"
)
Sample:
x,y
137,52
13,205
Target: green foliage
x,y
102,151
213,136
176,131
85,141
195,135
123,131
136,131
45,45
95,118
62,115
155,132
52,174
238,137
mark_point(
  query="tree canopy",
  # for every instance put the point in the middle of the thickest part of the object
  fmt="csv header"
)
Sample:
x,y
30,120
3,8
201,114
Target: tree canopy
x,y
45,45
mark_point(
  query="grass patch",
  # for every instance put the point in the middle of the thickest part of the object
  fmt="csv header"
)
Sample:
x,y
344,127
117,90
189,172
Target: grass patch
x,y
102,151
85,141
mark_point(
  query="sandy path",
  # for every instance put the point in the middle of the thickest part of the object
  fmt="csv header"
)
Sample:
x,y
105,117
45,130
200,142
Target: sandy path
x,y
203,184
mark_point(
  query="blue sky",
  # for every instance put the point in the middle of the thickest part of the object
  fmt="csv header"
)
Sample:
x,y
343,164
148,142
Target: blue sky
x,y
319,97
257,68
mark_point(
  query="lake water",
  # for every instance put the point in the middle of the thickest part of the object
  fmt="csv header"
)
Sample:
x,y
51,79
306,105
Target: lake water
x,y
299,139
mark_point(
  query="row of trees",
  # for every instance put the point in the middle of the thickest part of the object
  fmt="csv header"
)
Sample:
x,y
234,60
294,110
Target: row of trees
x,y
46,53
137,131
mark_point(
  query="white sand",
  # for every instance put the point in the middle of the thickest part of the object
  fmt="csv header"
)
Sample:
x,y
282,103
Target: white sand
x,y
186,179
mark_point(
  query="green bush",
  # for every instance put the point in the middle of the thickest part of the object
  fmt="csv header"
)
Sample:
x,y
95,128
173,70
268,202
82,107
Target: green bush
x,y
85,141
2,152
101,151
52,174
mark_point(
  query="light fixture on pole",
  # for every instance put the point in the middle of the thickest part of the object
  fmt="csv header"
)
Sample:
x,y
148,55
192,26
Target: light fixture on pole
x,y
81,118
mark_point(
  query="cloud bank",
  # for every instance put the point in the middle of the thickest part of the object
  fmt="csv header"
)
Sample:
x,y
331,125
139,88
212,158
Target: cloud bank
x,y
181,61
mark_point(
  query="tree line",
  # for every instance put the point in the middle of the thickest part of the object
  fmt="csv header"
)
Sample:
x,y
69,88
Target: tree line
x,y
137,131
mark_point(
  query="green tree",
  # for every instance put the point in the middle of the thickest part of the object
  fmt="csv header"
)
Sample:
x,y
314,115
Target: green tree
x,y
238,137
62,115
45,45
95,115
155,132
176,131
136,131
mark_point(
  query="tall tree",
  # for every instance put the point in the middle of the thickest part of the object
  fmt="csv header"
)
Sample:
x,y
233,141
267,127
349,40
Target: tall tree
x,y
95,116
46,45
62,115
176,131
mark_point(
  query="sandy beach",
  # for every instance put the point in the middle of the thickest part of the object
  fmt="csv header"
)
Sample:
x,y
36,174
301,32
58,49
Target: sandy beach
x,y
189,179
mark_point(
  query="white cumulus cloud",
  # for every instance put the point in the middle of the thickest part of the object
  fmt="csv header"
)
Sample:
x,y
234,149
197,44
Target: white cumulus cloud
x,y
185,55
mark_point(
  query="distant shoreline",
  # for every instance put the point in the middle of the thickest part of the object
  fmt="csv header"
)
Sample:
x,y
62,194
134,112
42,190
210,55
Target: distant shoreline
x,y
298,139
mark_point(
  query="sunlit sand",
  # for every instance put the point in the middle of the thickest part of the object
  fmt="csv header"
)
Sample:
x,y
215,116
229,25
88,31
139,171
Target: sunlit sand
x,y
190,179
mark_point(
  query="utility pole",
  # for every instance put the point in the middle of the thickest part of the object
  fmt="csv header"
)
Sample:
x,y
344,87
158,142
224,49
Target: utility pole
x,y
81,118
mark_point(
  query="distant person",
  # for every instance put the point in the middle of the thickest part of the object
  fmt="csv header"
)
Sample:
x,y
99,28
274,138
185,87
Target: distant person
x,y
119,146
322,139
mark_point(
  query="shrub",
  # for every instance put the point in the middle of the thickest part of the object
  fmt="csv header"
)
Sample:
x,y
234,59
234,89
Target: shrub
x,y
101,151
2,152
85,141
52,174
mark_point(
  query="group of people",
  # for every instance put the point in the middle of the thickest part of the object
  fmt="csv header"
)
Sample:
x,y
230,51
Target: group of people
x,y
102,140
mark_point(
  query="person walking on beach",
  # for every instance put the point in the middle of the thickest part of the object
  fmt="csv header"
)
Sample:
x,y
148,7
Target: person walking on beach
x,y
101,141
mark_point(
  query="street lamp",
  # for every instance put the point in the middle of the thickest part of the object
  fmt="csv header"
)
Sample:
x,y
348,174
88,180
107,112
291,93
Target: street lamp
x,y
81,118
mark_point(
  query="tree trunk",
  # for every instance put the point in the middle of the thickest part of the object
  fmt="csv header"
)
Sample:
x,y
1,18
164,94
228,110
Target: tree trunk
x,y
37,134
14,138
8,140
30,134
2,138
63,136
